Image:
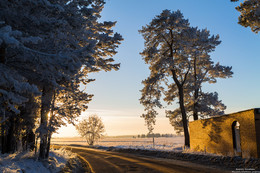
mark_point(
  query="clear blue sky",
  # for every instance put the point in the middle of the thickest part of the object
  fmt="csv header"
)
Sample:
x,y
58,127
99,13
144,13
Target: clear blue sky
x,y
117,93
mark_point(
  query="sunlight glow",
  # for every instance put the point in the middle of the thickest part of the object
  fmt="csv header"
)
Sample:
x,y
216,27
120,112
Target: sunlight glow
x,y
116,125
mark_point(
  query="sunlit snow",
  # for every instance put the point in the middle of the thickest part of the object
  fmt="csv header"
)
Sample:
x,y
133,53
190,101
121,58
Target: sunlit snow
x,y
28,162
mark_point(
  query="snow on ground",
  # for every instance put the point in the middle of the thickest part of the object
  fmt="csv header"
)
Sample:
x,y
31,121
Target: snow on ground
x,y
175,144
170,148
27,162
161,143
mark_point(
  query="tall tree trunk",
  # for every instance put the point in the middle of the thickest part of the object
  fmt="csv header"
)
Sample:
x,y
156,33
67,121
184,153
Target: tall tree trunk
x,y
11,140
182,107
51,119
184,118
30,140
196,91
3,134
47,93
48,145
195,106
2,54
4,140
36,143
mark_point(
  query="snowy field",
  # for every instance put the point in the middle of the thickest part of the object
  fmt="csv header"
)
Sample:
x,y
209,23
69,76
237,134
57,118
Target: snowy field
x,y
161,143
27,162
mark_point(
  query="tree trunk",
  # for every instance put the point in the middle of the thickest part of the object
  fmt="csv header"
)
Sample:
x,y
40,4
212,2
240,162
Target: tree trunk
x,y
4,145
47,93
184,118
11,141
195,106
36,143
196,91
50,123
182,107
2,54
48,145
3,134
92,139
26,112
30,140
3,138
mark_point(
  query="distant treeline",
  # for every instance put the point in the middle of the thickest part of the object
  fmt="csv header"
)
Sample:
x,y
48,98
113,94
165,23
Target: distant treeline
x,y
156,135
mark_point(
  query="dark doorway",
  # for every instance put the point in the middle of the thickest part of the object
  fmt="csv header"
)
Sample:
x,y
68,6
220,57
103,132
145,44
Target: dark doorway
x,y
236,138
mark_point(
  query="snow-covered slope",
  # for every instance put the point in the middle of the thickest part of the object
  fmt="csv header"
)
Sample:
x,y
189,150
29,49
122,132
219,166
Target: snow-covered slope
x,y
27,162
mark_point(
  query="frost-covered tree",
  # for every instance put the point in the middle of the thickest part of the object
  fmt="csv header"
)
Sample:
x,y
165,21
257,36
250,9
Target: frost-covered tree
x,y
63,41
66,107
197,103
91,129
15,90
13,86
164,53
179,62
71,101
28,58
250,14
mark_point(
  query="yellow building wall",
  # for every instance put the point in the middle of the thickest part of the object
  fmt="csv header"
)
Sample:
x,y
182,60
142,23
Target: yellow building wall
x,y
214,135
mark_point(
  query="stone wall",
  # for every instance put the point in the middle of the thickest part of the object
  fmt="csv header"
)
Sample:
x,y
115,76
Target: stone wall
x,y
257,125
214,135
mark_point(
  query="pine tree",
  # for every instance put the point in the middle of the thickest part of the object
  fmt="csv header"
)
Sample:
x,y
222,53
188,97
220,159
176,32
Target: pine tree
x,y
164,53
15,90
179,61
60,43
250,14
199,104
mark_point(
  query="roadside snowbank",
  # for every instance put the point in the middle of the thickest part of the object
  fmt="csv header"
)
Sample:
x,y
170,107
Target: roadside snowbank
x,y
224,162
28,162
157,147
